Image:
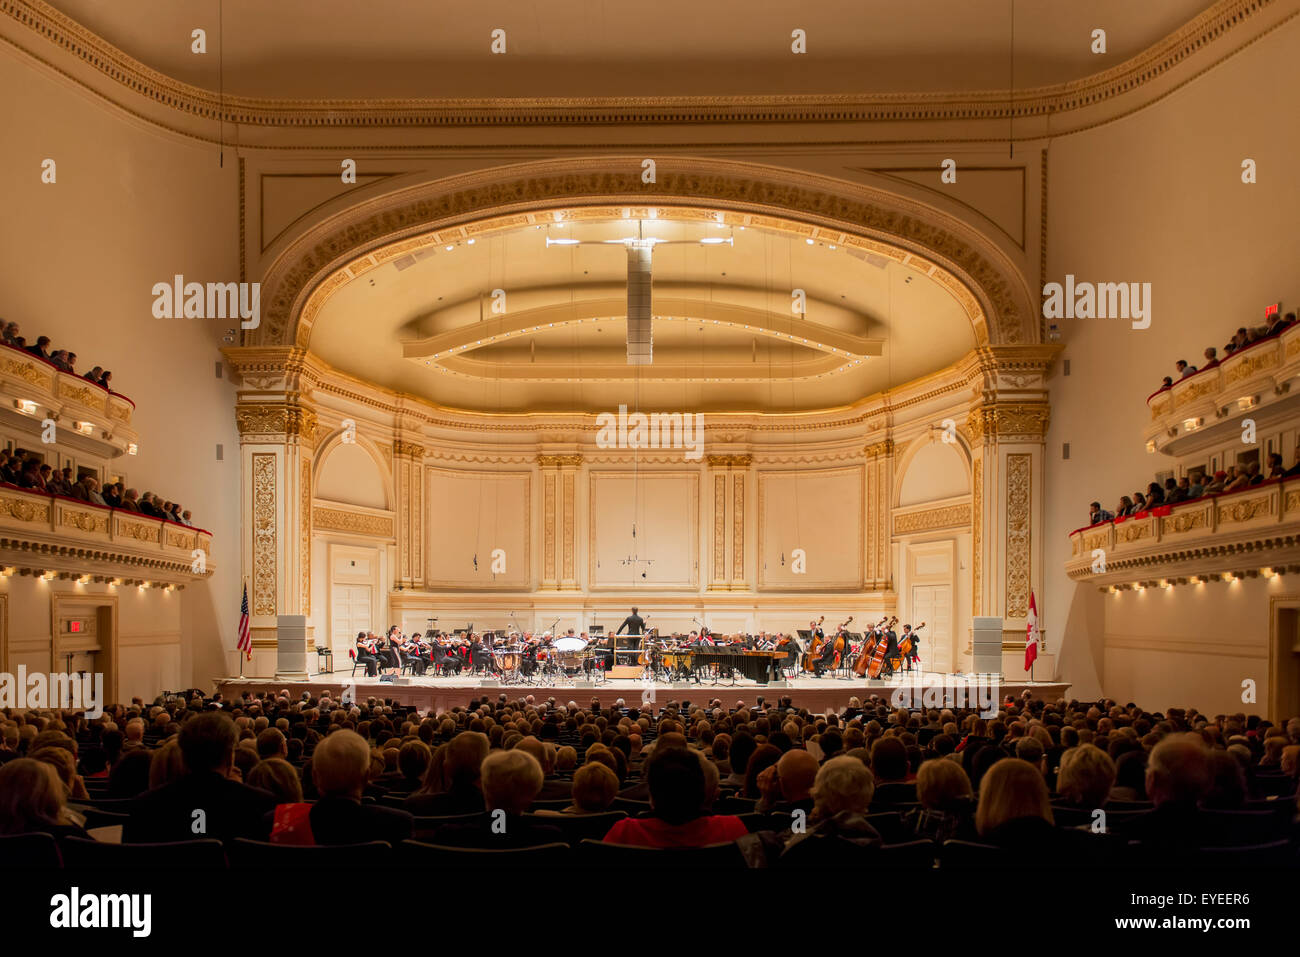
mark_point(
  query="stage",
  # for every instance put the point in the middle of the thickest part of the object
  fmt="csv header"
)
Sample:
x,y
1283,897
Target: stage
x,y
930,689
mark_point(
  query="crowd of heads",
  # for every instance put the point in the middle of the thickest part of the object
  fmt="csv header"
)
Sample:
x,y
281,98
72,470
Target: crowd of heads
x,y
62,359
28,470
1243,338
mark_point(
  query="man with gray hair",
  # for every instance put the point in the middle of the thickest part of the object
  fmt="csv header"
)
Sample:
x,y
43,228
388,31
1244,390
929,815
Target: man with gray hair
x,y
1178,778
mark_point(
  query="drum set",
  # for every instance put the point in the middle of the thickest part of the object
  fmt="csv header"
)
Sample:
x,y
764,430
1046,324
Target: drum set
x,y
558,662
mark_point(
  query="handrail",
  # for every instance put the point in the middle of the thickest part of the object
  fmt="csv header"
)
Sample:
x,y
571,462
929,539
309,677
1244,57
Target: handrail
x,y
1199,372
81,502
32,355
1160,510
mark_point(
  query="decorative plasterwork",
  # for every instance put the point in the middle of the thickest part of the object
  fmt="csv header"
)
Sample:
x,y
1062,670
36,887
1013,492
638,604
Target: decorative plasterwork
x,y
977,529
559,461
1231,17
738,526
355,523
1019,533
1007,419
409,449
275,418
885,447
304,538
948,516
265,569
975,271
743,461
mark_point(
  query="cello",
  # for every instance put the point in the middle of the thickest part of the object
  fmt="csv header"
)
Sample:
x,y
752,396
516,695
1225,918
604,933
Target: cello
x,y
815,648
877,662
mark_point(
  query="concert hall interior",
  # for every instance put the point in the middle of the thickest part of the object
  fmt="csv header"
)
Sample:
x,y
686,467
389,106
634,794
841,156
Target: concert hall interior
x,y
432,335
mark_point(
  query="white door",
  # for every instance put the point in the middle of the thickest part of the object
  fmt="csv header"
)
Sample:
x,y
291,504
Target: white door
x,y
932,604
350,613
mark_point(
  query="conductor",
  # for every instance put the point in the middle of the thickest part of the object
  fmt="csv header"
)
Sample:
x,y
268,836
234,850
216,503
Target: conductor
x,y
634,624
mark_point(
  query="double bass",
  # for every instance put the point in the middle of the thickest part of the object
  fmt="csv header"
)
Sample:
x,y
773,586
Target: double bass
x,y
868,647
877,662
815,648
841,643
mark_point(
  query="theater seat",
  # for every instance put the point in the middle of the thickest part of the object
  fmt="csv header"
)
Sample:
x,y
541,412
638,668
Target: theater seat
x,y
915,855
246,854
1272,854
579,827
967,855
618,856
203,854
633,808
453,859
20,852
426,827
834,853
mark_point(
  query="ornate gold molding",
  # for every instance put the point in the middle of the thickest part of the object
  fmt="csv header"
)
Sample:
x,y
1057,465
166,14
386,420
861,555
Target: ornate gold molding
x,y
409,449
977,528
1019,533
1009,418
304,538
882,448
275,418
947,516
265,569
559,461
743,461
356,523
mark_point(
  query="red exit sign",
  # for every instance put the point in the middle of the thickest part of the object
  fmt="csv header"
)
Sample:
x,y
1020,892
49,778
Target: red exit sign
x,y
74,626
1272,310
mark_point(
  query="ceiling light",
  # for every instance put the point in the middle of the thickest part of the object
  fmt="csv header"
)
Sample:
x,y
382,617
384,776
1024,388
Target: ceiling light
x,y
560,242
449,248
470,242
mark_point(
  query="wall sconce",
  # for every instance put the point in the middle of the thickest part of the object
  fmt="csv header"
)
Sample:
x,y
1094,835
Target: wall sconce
x,y
25,405
1191,425
8,572
84,580
48,576
132,449
1247,402
85,428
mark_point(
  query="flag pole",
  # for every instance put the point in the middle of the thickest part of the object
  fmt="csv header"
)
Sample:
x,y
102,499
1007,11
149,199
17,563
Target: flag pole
x,y
239,652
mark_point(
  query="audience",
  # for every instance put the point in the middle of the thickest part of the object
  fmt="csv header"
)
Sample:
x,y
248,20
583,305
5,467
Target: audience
x,y
61,359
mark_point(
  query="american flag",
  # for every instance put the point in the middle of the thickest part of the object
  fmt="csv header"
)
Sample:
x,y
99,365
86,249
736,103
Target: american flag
x,y
245,635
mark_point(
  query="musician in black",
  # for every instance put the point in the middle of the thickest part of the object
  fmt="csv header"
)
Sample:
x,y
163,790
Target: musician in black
x,y
442,656
891,652
634,624
364,657
826,660
913,656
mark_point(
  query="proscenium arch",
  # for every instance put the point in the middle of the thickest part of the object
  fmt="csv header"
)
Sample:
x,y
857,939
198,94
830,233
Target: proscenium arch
x,y
969,265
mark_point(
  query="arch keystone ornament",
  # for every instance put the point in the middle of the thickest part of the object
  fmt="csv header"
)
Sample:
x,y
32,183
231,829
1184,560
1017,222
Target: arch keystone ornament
x,y
979,275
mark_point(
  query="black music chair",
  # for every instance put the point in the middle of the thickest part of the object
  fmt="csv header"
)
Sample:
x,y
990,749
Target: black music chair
x,y
22,852
202,854
320,858
454,859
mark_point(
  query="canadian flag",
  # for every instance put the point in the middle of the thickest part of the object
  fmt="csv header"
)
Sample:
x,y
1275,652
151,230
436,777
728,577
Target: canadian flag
x,y
1031,633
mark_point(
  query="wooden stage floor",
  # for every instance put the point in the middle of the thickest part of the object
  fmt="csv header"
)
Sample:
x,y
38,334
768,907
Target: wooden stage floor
x,y
814,694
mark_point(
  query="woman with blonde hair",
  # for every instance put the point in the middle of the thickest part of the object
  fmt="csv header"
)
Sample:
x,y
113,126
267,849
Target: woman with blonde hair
x,y
34,799
1014,809
947,803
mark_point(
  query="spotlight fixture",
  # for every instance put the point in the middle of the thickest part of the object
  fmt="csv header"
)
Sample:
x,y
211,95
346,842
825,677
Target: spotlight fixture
x,y
25,405
49,575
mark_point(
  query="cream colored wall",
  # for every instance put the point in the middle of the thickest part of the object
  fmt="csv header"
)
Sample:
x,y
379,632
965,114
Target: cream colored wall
x,y
1157,197
78,260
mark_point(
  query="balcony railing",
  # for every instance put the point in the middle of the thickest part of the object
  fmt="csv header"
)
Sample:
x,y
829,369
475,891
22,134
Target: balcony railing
x,y
41,532
1258,376
1242,533
38,389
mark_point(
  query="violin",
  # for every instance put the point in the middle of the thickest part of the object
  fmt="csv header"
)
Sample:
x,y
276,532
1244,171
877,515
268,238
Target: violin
x,y
814,649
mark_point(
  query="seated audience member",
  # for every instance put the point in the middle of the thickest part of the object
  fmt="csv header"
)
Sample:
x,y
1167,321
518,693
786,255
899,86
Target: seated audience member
x,y
186,518
553,788
1211,358
33,800
148,505
1217,483
1139,503
1275,469
742,749
787,785
59,359
1097,514
1178,491
764,757
511,782
1130,777
1228,790
842,793
31,476
1166,384
64,762
1014,811
278,778
105,378
41,349
340,769
594,789
947,810
1195,485
232,809
452,784
1155,495
112,494
129,775
412,762
1184,370
1178,778
10,333
676,779
1125,507
889,767
93,375
1085,778
271,743
130,500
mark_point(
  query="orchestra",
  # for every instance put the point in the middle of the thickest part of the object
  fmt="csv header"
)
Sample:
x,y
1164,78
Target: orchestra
x,y
880,653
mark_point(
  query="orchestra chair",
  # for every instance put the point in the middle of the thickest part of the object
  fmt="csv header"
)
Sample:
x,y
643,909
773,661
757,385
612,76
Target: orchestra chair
x,y
454,859
968,855
202,854
601,856
352,653
21,852
579,827
318,858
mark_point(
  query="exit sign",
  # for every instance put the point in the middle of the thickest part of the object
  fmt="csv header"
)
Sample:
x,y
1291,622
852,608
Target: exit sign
x,y
74,627
1272,310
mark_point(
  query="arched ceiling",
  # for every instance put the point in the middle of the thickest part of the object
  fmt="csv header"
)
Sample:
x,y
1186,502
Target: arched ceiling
x,y
725,334
396,48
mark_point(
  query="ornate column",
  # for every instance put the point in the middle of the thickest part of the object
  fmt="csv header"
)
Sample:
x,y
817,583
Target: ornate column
x,y
878,567
568,507
717,491
1007,431
277,432
408,476
740,465
552,506
727,475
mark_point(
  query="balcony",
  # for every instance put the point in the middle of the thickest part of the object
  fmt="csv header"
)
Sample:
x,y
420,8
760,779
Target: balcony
x,y
42,534
1205,408
88,416
1237,533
